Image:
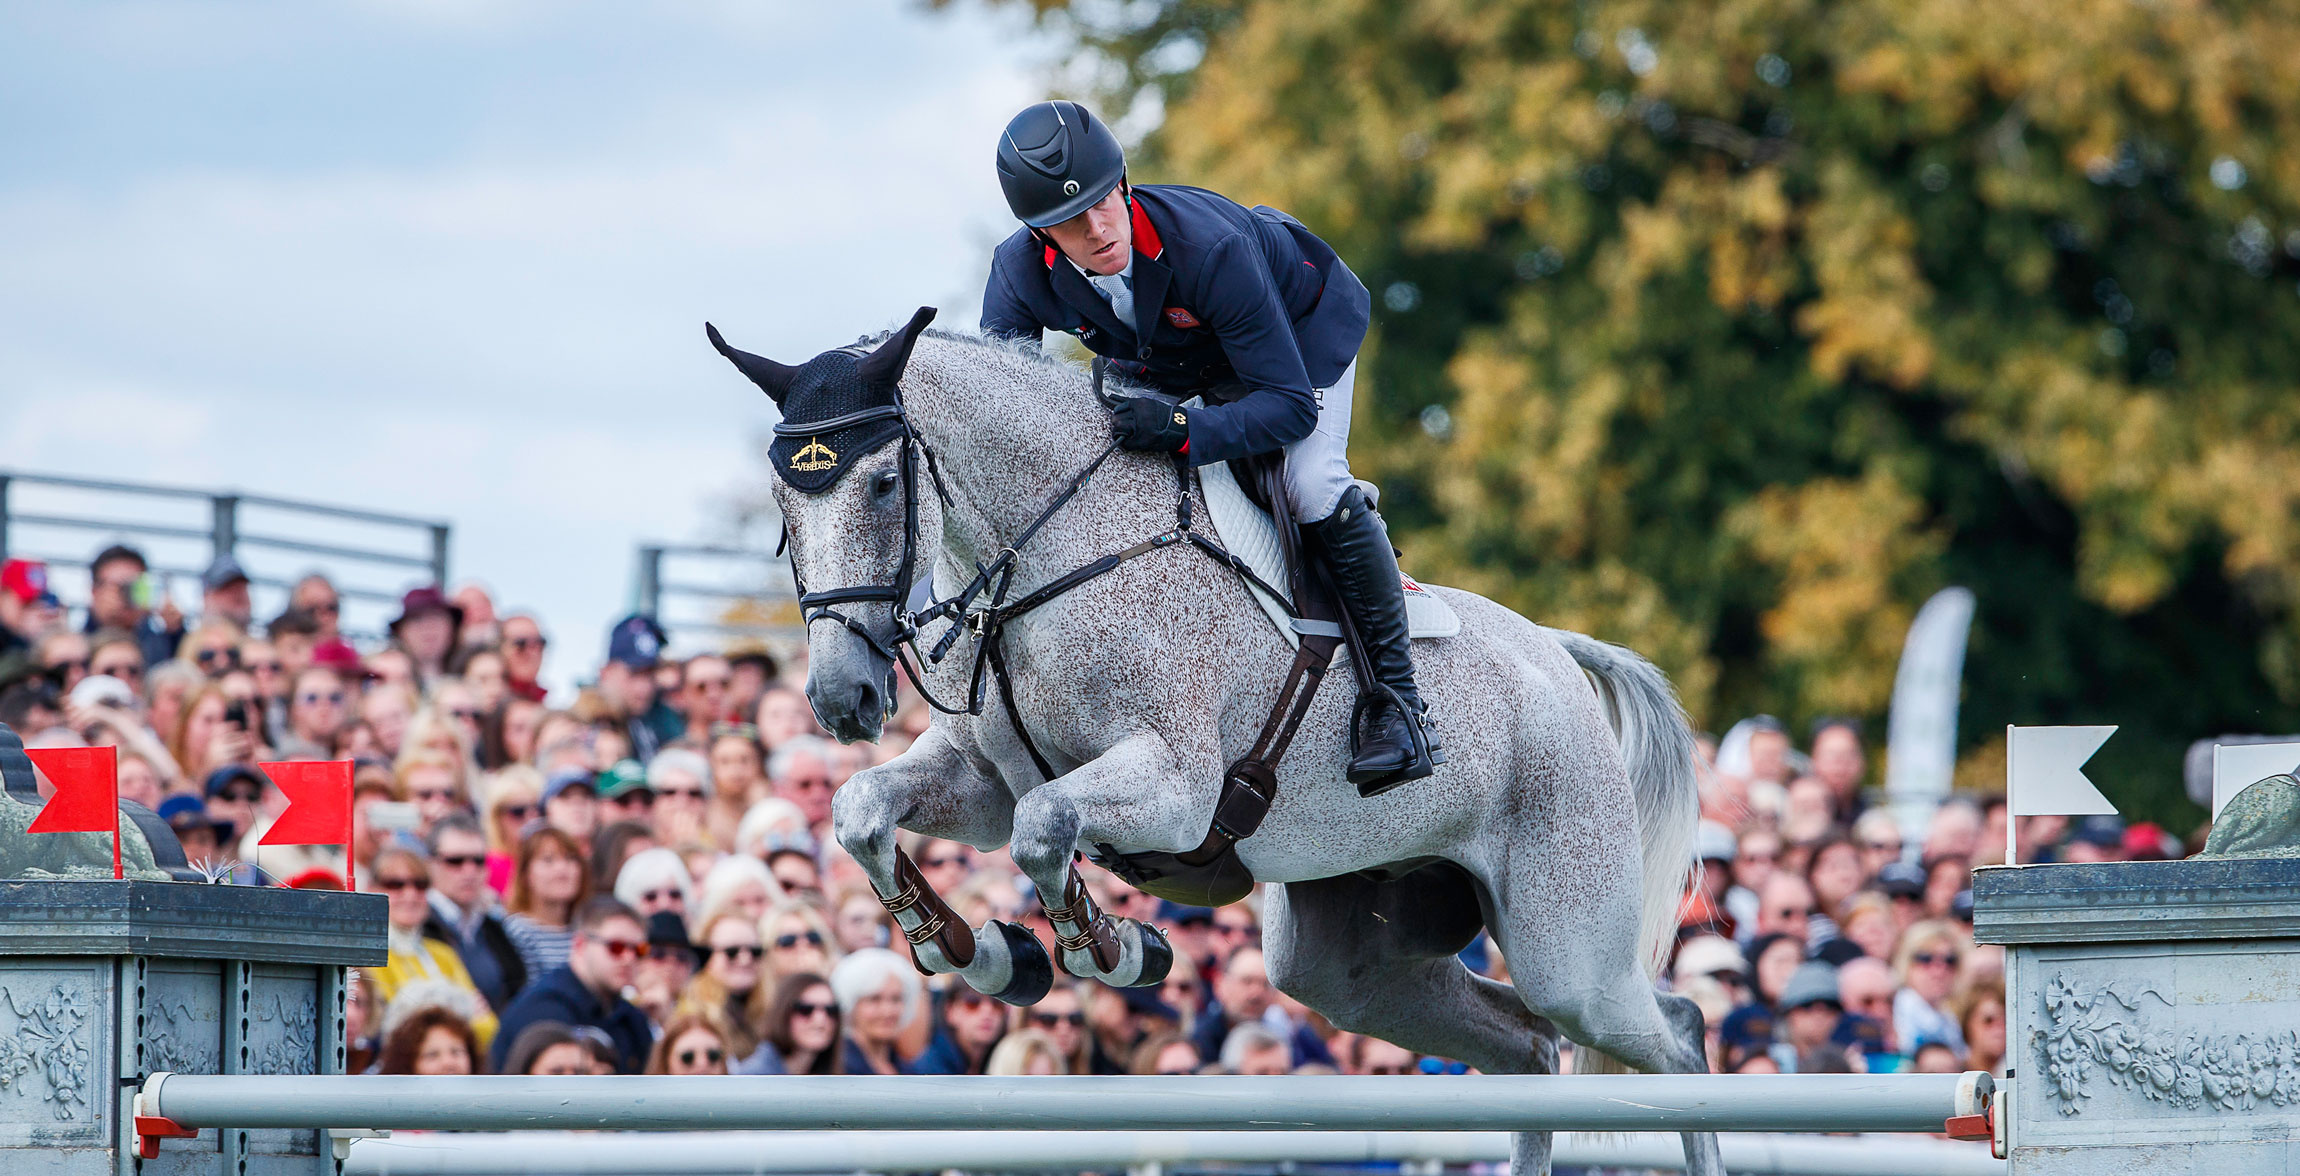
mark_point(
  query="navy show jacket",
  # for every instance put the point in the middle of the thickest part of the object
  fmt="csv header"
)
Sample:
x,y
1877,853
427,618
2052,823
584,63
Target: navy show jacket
x,y
1223,294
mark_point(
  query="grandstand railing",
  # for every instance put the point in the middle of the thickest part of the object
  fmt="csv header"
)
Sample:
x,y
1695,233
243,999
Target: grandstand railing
x,y
63,521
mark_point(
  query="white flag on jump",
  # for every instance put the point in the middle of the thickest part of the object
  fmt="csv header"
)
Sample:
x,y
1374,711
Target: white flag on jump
x,y
2238,766
2044,771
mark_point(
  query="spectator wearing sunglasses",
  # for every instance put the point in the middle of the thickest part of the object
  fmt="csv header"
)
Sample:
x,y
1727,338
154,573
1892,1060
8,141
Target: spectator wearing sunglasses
x,y
405,882
681,780
691,1044
1926,967
798,940
464,913
970,1027
803,1028
655,881
319,709
1061,1015
587,990
513,798
731,989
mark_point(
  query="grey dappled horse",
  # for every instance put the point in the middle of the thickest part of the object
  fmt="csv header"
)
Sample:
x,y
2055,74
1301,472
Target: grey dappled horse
x,y
1563,822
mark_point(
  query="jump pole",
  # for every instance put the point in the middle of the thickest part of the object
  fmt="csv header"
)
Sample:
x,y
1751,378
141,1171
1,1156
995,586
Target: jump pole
x,y
1693,1102
789,1153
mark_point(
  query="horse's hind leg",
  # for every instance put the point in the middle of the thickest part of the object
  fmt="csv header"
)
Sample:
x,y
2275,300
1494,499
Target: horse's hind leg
x,y
1569,968
1378,958
935,789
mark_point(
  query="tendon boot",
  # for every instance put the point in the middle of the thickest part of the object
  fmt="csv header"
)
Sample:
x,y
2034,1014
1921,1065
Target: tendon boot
x,y
1394,742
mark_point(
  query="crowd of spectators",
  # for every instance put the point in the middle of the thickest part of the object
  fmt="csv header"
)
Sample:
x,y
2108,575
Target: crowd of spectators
x,y
638,875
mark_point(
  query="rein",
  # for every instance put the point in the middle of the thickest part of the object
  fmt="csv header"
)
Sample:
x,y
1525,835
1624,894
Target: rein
x,y
995,580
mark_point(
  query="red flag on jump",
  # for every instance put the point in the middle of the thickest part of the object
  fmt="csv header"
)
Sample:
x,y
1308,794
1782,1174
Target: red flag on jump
x,y
319,806
87,798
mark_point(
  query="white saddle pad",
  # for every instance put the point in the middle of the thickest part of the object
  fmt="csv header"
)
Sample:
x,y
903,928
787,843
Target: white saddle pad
x,y
1250,535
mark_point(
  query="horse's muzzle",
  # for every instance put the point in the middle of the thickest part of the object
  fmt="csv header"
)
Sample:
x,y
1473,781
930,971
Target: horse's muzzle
x,y
851,690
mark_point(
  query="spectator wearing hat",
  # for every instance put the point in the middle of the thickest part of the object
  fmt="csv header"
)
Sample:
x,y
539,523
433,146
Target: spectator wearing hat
x,y
233,791
627,686
465,914
571,804
427,629
667,970
120,596
2098,838
202,836
22,582
625,795
1810,1011
602,960
224,594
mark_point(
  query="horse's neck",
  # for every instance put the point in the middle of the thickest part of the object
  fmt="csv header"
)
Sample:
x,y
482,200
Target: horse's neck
x,y
1009,435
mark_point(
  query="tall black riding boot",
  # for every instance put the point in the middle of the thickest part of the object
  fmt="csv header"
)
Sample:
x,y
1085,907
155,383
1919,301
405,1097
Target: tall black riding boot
x,y
1395,744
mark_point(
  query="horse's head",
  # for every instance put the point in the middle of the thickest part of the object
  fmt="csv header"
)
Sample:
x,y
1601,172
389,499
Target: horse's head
x,y
860,513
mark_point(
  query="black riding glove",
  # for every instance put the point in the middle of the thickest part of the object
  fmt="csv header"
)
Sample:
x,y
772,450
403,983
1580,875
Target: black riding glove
x,y
1146,422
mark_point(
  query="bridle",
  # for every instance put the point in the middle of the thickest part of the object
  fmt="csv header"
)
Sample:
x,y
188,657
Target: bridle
x,y
981,607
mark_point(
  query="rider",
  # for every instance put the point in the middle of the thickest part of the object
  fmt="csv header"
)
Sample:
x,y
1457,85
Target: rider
x,y
1186,290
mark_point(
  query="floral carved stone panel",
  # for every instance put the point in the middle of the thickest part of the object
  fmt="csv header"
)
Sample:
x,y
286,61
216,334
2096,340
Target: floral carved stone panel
x,y
50,1068
283,1038
2120,1035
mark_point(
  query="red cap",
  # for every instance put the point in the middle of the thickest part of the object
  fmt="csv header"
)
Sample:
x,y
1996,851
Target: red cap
x,y
339,656
316,878
25,579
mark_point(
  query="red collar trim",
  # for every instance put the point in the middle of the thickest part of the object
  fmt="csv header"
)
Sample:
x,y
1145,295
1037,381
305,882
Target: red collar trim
x,y
1147,242
1146,239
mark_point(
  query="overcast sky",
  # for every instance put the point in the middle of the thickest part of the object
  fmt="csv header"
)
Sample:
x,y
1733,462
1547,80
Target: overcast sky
x,y
452,257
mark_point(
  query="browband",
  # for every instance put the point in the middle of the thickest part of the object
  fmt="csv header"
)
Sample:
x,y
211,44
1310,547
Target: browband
x,y
832,425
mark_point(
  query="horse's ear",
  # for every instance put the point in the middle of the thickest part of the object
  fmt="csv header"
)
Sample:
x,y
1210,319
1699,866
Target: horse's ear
x,y
773,378
884,366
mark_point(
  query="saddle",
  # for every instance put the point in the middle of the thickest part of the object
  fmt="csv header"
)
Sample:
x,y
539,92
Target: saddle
x,y
1245,501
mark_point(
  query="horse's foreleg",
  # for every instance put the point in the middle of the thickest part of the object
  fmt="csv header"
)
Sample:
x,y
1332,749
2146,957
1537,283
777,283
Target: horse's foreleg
x,y
1133,795
937,790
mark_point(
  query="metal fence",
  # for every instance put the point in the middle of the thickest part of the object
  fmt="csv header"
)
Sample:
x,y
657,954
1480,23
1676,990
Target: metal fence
x,y
712,595
370,555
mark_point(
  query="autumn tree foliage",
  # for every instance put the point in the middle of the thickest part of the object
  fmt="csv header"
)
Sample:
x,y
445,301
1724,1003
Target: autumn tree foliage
x,y
1731,331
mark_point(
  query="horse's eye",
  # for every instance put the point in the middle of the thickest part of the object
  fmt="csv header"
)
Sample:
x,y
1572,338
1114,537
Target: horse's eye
x,y
884,483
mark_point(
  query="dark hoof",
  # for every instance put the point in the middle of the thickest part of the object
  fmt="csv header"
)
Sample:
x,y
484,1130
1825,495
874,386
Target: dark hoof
x,y
1033,969
1157,957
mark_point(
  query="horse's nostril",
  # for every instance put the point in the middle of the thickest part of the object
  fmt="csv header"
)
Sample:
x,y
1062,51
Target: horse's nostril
x,y
867,706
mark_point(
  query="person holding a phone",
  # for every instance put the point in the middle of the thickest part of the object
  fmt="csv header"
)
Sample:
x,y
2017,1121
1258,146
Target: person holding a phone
x,y
121,595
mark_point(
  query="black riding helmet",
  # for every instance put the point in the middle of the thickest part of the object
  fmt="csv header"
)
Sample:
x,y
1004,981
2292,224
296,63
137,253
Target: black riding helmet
x,y
1055,161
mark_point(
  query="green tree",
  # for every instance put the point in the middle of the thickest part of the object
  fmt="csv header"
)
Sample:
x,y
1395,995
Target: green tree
x,y
1731,331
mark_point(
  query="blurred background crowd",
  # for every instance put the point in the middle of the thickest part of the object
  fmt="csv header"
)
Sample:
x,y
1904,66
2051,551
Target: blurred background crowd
x,y
641,877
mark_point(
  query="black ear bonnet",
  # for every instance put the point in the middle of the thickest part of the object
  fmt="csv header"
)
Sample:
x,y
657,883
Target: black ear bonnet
x,y
837,408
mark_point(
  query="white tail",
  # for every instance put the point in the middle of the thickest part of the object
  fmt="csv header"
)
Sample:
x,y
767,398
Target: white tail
x,y
1657,746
